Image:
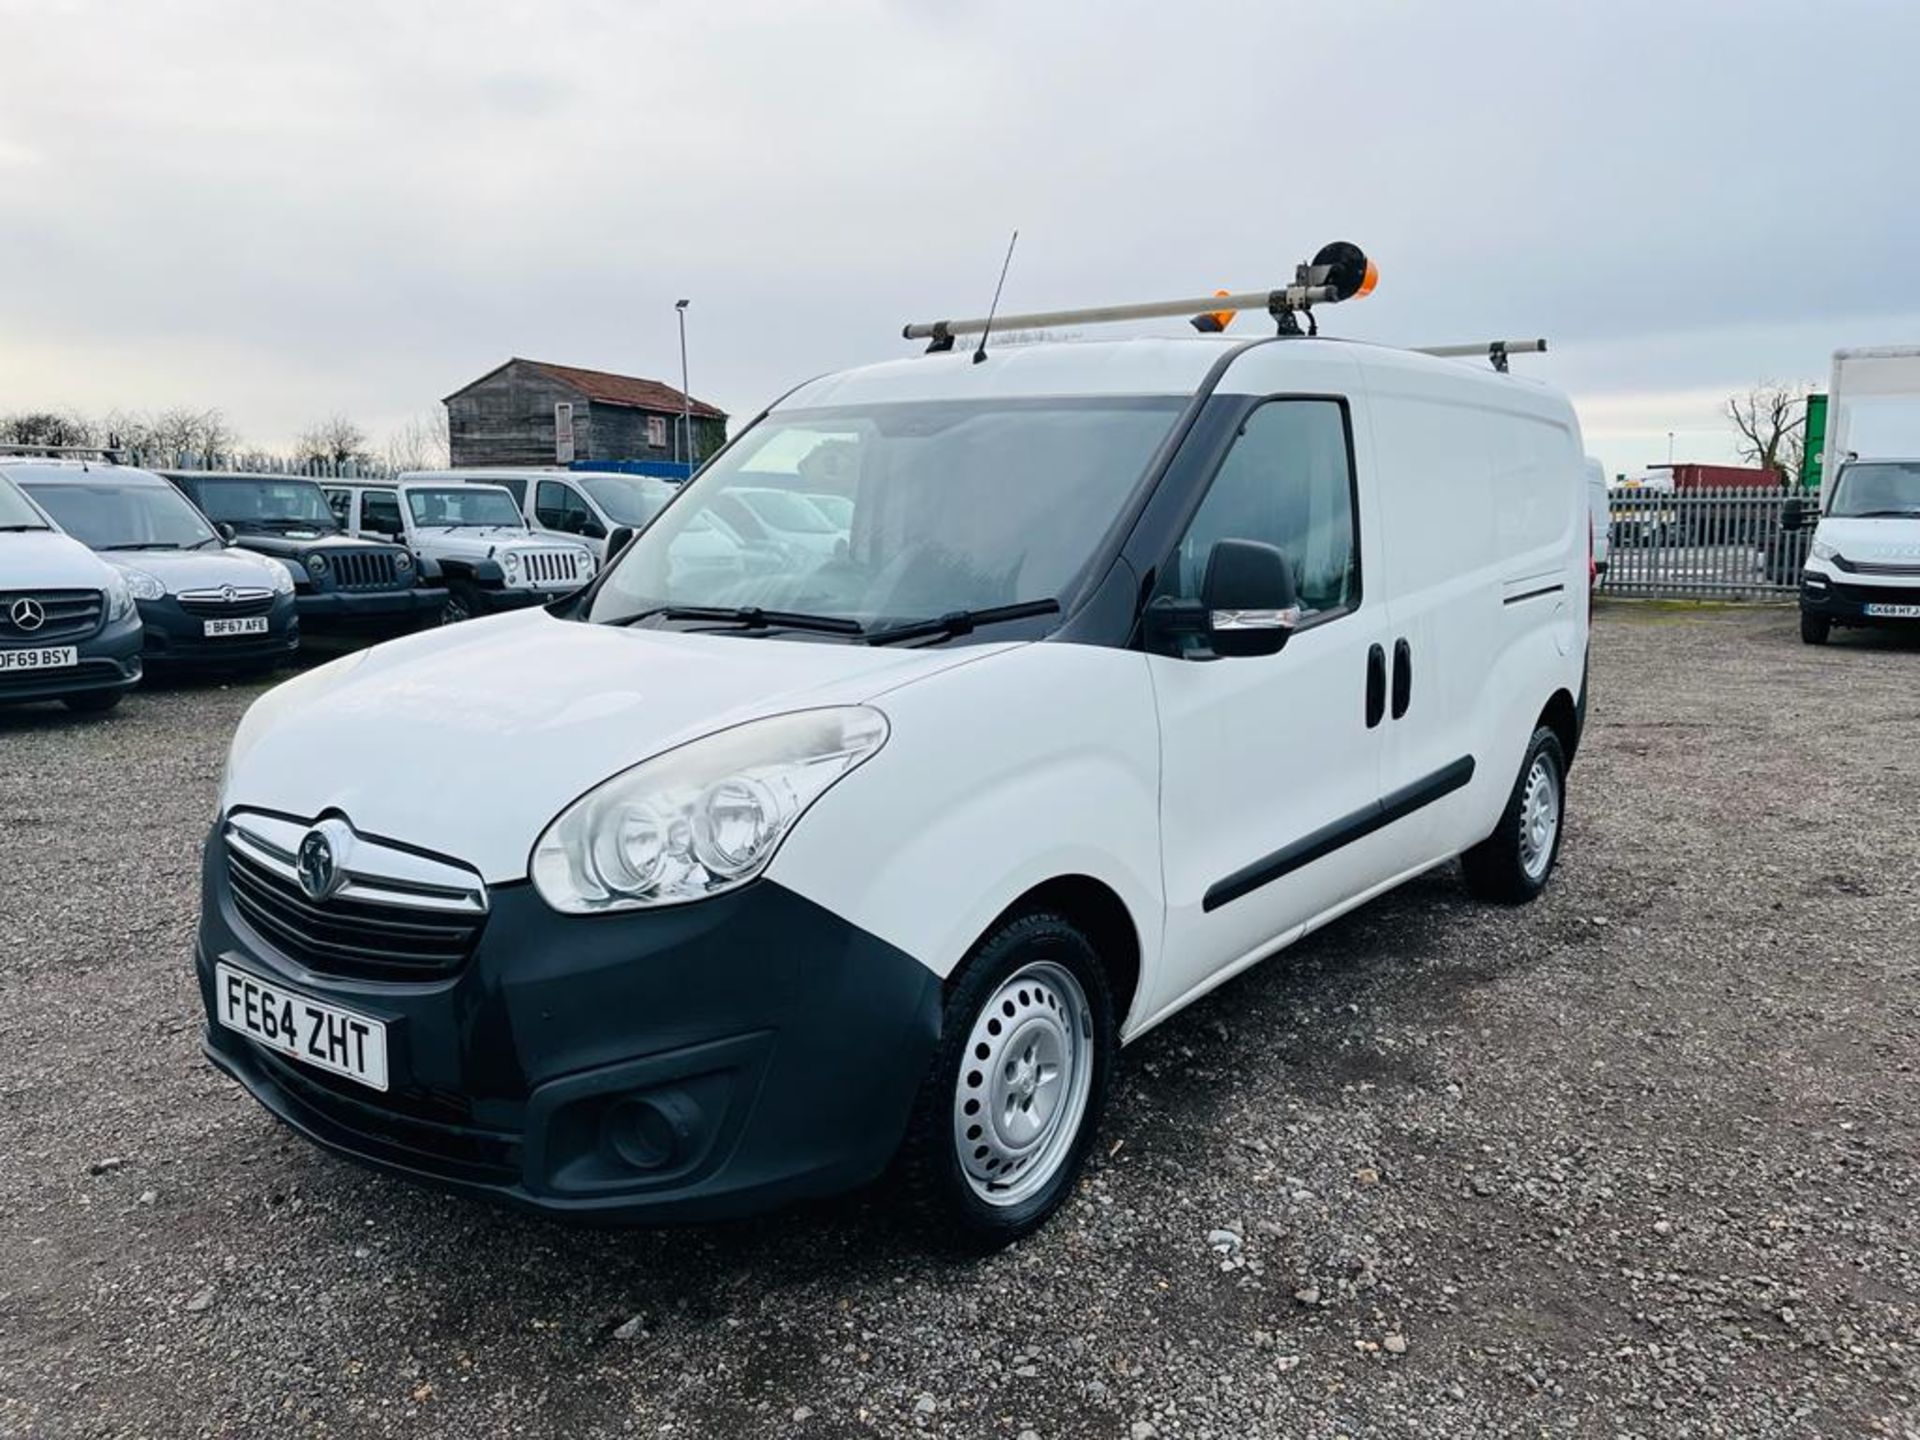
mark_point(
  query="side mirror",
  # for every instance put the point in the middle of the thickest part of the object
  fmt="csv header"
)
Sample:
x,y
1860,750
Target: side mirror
x,y
1793,514
1250,597
226,532
618,540
1248,605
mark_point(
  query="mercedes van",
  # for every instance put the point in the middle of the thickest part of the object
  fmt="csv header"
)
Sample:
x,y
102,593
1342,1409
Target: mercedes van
x,y
717,885
203,603
1863,567
68,627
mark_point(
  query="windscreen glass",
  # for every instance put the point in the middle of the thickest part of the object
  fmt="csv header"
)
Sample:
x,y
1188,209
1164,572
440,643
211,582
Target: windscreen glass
x,y
627,499
941,507
271,504
458,505
110,515
1878,487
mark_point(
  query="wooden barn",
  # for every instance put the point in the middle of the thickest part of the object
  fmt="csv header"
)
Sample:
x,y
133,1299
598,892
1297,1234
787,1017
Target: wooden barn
x,y
513,416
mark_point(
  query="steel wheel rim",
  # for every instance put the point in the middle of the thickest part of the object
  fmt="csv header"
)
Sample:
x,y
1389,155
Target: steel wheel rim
x,y
1022,1090
1539,817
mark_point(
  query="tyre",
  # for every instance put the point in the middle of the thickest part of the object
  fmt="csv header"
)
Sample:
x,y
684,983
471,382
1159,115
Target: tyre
x,y
462,603
1512,864
93,702
1814,629
1009,1105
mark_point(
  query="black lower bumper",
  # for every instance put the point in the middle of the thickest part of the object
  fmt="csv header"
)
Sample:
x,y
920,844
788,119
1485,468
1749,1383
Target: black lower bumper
x,y
109,661
699,1062
370,612
497,601
1843,603
176,636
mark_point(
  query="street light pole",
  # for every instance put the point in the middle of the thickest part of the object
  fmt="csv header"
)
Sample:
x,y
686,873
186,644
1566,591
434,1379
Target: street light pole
x,y
686,400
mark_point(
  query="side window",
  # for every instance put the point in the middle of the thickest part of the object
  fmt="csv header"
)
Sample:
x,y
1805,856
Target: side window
x,y
517,489
1287,481
341,503
380,512
558,506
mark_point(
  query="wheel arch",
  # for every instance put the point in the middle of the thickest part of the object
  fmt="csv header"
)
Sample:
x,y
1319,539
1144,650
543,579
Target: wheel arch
x,y
1094,907
1562,716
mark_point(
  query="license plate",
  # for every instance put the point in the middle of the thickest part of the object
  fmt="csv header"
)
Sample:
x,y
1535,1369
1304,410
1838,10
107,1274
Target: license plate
x,y
50,657
244,625
1894,612
321,1035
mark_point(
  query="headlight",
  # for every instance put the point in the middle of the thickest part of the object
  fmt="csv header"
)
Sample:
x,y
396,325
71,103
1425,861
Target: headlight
x,y
316,564
282,577
701,819
402,563
1821,550
510,562
143,585
119,598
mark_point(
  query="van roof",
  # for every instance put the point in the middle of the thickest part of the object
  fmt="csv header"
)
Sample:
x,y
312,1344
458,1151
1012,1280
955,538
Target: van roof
x,y
38,470
1138,365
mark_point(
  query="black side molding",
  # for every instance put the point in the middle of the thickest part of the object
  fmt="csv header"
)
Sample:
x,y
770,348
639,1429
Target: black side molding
x,y
1533,594
1344,831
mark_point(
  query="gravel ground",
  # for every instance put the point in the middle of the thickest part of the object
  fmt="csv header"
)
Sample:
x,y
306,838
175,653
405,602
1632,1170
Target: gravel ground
x,y
1639,1159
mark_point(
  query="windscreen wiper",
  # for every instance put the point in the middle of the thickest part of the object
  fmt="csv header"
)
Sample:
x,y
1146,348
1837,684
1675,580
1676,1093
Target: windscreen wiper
x,y
961,622
752,617
141,545
17,529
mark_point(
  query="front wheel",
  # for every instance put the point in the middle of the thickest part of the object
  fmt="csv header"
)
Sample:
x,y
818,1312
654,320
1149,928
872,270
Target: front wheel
x,y
1814,629
1512,864
92,702
463,603
1008,1108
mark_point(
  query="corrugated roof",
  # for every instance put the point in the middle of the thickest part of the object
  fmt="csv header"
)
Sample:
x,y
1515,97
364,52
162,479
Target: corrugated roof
x,y
605,388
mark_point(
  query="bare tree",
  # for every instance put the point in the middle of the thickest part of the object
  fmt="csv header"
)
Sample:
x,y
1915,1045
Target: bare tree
x,y
48,427
420,444
1771,419
335,442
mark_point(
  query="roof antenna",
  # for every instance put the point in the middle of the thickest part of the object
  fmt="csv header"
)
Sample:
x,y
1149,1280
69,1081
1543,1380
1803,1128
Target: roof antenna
x,y
981,353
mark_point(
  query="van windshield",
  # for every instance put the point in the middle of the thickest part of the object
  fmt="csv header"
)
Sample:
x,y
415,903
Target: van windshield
x,y
112,515
1878,487
15,511
943,506
628,499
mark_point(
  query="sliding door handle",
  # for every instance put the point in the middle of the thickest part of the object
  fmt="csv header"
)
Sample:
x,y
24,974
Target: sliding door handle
x,y
1402,677
1376,685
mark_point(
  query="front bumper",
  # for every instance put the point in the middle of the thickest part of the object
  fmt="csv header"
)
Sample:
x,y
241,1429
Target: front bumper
x,y
370,611
176,636
110,660
497,601
776,1046
1845,601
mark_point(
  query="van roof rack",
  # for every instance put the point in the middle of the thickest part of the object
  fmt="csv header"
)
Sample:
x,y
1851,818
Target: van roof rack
x,y
1496,351
1340,271
109,453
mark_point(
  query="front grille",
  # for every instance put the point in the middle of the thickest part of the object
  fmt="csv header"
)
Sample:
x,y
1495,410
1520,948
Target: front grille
x,y
384,922
62,615
363,569
1876,567
394,1126
552,567
228,600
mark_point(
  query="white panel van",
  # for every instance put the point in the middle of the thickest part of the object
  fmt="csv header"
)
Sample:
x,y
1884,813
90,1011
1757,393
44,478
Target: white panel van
x,y
745,873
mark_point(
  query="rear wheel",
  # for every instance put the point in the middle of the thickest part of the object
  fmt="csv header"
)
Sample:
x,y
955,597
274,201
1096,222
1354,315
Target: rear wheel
x,y
1009,1105
1814,629
93,702
1512,864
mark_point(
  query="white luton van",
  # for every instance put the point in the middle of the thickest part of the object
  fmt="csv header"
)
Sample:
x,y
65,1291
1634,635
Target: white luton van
x,y
702,890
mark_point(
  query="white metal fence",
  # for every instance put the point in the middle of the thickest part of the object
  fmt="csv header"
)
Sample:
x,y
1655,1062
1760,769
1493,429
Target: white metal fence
x,y
1729,544
258,465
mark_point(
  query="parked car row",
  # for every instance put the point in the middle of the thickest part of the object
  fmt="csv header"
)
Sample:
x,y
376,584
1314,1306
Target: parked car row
x,y
109,571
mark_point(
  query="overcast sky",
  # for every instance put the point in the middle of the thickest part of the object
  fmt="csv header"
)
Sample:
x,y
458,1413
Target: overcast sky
x,y
294,208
